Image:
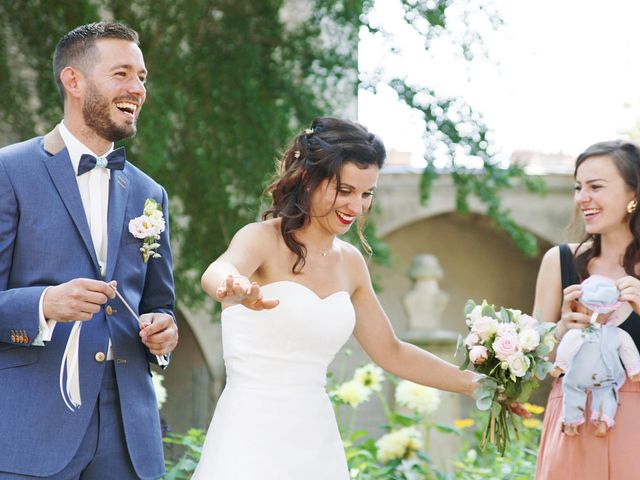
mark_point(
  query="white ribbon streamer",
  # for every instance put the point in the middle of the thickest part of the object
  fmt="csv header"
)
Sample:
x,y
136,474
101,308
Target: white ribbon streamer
x,y
70,365
70,370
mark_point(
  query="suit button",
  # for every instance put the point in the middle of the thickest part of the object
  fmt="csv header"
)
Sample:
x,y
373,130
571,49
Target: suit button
x,y
100,356
109,310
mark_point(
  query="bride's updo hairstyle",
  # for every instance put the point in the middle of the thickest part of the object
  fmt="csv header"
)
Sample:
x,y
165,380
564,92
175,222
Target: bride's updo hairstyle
x,y
316,154
626,157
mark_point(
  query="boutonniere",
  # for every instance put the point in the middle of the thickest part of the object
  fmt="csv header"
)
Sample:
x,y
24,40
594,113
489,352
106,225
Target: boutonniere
x,y
148,228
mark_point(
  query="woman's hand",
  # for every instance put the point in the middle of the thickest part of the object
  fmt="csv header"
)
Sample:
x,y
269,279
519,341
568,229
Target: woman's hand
x,y
630,292
572,313
236,289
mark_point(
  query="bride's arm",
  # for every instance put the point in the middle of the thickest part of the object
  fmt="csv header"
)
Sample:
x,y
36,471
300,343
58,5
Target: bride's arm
x,y
227,278
374,332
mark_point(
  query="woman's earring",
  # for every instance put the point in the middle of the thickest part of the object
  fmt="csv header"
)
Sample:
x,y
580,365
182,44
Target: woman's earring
x,y
632,206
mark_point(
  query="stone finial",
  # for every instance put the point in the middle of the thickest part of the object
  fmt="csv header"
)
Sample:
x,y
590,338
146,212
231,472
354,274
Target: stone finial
x,y
425,302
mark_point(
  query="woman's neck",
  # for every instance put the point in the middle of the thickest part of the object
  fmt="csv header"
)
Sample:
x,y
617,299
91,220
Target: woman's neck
x,y
613,245
315,239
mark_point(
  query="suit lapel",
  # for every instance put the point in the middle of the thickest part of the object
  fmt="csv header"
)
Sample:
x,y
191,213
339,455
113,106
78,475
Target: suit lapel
x,y
62,175
118,195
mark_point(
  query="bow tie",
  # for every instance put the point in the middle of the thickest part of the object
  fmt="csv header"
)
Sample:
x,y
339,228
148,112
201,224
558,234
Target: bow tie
x,y
114,161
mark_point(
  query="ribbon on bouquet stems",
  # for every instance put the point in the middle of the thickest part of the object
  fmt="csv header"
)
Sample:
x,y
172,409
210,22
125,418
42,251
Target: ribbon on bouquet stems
x,y
70,365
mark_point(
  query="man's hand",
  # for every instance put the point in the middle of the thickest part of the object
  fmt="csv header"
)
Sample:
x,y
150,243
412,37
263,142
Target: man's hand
x,y
77,299
158,332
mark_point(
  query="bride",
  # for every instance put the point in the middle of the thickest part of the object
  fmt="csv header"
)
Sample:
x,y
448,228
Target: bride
x,y
292,293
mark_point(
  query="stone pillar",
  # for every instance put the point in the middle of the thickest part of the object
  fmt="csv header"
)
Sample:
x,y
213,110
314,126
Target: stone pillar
x,y
424,304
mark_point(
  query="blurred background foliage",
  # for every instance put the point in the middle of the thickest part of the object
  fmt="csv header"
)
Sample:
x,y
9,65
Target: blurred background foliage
x,y
230,82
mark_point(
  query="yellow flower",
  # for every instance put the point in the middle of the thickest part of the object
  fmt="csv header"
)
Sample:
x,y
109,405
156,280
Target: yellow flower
x,y
352,393
399,444
417,397
532,423
464,422
535,409
370,376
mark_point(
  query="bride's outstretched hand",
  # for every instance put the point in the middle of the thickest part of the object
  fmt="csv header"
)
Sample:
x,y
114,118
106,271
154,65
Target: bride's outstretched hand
x,y
236,289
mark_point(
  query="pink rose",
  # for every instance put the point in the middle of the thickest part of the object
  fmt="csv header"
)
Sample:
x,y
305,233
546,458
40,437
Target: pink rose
x,y
505,346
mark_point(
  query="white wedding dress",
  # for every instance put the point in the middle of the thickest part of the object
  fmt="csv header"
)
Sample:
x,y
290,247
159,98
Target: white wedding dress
x,y
274,420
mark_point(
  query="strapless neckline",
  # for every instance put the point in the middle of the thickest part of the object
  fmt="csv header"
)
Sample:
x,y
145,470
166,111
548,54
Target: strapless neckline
x,y
302,287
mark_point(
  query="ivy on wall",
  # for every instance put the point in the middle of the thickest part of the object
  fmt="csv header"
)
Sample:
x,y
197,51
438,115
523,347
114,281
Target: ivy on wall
x,y
229,83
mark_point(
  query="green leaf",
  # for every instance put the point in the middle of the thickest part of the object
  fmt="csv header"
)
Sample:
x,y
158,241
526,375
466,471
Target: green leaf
x,y
542,369
468,307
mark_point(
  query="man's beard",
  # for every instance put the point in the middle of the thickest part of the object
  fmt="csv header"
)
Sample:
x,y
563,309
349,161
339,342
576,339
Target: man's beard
x,y
96,114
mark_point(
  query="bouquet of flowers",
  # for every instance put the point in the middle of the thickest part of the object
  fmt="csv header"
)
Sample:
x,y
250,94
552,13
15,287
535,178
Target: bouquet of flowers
x,y
511,349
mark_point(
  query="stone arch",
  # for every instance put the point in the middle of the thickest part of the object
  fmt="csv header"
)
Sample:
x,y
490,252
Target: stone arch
x,y
478,261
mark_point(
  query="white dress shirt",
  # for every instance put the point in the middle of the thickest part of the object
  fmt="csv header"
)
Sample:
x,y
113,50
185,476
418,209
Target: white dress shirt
x,y
94,192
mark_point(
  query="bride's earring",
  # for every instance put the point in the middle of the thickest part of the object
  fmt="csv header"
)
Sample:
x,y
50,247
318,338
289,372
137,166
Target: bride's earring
x,y
632,206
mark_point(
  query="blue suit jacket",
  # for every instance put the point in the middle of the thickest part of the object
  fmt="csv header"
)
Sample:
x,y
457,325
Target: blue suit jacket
x,y
45,240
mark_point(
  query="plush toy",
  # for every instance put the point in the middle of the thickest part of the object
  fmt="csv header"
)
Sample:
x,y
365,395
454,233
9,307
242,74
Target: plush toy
x,y
592,360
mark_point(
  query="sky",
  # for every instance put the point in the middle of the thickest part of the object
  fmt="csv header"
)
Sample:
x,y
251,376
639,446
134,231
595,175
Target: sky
x,y
561,75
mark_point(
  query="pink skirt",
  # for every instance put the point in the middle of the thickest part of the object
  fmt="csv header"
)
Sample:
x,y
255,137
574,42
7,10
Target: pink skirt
x,y
615,456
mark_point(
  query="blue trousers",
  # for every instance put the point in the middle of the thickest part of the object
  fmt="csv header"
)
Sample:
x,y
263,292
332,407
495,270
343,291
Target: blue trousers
x,y
103,453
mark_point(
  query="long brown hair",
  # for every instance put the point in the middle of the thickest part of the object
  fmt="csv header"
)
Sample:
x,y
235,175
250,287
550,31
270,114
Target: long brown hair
x,y
626,157
316,154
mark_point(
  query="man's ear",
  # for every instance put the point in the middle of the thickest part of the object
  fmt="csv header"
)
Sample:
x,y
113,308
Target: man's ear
x,y
72,80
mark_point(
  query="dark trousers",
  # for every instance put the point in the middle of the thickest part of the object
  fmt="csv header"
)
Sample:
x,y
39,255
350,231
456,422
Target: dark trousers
x,y
103,451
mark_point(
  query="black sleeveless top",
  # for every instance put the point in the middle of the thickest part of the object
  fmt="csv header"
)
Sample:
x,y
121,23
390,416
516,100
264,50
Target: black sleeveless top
x,y
570,277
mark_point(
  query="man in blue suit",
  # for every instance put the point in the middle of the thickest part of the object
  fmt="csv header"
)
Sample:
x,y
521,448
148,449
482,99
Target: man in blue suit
x,y
76,397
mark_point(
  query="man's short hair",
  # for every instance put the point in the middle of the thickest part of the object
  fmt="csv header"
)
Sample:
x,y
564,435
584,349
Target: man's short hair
x,y
77,47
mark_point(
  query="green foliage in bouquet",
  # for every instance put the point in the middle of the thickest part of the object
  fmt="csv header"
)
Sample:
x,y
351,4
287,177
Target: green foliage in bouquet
x,y
511,349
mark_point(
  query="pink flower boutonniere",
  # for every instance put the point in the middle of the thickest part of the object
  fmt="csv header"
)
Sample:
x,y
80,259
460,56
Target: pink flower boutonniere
x,y
148,228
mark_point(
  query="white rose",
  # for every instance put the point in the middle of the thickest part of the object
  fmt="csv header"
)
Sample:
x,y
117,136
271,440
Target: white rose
x,y
471,340
485,327
478,354
529,339
528,321
504,328
157,220
506,346
518,364
417,397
